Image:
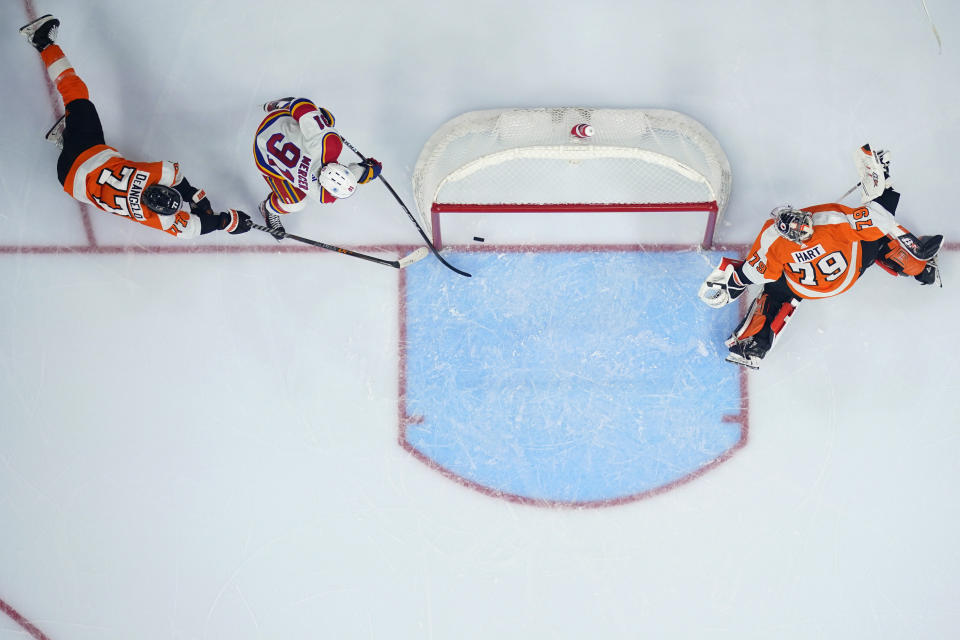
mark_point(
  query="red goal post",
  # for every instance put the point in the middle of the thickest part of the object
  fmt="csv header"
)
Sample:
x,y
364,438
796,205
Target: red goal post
x,y
527,161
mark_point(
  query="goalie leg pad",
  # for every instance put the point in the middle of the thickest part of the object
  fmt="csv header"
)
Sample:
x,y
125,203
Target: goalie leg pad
x,y
909,255
752,323
759,329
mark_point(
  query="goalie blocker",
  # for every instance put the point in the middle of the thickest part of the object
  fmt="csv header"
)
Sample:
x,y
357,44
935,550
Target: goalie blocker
x,y
818,252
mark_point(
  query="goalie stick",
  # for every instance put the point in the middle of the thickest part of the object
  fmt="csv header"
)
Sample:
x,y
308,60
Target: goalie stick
x,y
409,215
405,261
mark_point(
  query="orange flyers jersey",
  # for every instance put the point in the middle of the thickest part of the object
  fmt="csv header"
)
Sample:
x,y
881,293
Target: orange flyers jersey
x,y
102,177
830,261
292,144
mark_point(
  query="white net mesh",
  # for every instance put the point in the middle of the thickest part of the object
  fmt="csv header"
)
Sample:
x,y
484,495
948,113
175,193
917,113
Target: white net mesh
x,y
529,156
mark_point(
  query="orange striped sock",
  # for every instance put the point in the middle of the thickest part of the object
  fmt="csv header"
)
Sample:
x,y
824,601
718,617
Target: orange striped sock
x,y
61,73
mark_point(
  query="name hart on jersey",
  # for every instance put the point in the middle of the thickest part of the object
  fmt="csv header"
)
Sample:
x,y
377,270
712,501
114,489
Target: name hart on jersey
x,y
808,254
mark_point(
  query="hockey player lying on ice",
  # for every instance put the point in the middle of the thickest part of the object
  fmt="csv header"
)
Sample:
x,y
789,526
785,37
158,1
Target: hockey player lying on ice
x,y
152,193
818,252
297,150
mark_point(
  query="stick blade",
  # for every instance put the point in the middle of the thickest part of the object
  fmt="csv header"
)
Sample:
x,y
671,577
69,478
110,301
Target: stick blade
x,y
416,256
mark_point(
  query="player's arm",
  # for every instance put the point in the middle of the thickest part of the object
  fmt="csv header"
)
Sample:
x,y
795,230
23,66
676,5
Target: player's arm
x,y
201,219
190,225
315,124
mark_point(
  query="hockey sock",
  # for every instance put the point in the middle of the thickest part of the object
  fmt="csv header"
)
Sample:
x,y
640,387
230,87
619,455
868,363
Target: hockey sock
x,y
275,205
61,73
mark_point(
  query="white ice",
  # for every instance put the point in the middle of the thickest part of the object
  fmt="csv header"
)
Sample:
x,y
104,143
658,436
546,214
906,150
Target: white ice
x,y
205,445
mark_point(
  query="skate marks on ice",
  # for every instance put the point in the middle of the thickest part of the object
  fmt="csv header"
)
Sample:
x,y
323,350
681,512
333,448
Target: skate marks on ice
x,y
567,377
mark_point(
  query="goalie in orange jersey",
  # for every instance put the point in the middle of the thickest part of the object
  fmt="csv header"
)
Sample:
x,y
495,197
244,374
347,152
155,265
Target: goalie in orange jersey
x,y
818,252
155,194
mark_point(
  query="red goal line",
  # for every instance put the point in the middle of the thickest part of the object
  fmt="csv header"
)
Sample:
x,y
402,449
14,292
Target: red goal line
x,y
583,207
574,207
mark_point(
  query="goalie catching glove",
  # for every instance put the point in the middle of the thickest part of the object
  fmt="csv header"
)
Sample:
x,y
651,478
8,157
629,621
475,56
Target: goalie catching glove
x,y
724,284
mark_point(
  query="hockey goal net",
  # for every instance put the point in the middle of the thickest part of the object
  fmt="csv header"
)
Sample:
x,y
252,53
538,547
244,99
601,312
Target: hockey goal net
x,y
528,161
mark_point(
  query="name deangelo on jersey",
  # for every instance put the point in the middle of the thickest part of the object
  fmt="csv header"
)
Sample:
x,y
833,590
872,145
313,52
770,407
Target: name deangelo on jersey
x,y
103,178
128,192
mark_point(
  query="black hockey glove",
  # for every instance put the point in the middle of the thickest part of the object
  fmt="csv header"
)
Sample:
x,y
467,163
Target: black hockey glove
x,y
200,204
234,222
196,197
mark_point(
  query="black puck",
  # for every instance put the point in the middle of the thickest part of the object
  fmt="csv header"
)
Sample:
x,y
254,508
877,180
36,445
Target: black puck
x,y
478,238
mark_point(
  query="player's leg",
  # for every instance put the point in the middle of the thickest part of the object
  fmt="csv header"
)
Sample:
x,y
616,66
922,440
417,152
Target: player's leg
x,y
766,317
80,128
82,131
283,199
892,257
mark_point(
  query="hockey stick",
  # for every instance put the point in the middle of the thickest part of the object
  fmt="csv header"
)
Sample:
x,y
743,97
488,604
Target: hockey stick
x,y
849,191
409,215
405,261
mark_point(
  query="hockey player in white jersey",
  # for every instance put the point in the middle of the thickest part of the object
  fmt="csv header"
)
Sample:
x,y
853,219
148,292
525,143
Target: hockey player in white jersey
x,y
297,151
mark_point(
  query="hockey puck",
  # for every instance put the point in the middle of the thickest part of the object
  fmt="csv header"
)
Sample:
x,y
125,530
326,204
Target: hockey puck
x,y
478,238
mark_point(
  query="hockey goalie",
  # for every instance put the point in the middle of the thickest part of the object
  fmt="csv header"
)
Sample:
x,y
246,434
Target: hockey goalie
x,y
818,252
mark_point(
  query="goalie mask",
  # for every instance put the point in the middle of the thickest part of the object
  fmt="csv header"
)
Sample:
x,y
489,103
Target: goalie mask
x,y
338,180
793,224
162,200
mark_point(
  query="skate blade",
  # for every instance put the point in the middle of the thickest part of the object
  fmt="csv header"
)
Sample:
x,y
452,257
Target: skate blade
x,y
750,363
30,28
55,134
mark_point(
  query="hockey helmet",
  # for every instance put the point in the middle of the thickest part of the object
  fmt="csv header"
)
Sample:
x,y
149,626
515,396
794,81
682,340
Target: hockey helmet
x,y
793,224
338,180
161,199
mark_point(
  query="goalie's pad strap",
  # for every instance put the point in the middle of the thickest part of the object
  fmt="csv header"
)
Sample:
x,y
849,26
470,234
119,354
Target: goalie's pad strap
x,y
782,317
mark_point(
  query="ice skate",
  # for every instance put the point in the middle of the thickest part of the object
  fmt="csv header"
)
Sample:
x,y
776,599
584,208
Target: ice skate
x,y
42,32
930,273
55,134
279,103
750,363
747,353
273,221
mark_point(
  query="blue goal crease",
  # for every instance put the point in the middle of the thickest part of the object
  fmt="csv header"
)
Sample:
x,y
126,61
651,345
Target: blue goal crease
x,y
569,376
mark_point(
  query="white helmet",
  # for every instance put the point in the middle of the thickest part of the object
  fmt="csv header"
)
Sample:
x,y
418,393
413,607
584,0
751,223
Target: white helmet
x,y
339,180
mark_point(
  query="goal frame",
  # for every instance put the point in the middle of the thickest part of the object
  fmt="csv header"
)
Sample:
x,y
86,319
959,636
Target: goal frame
x,y
558,143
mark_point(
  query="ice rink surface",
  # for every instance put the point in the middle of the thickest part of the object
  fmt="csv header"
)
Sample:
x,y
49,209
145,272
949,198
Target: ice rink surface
x,y
202,440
